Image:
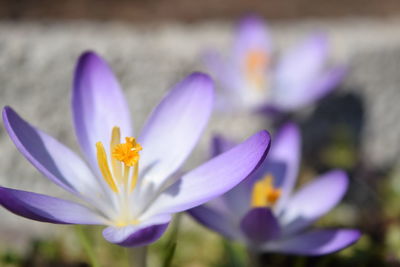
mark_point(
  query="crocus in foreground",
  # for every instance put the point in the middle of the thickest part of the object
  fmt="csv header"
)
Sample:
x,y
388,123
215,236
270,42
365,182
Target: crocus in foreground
x,y
128,185
265,214
251,78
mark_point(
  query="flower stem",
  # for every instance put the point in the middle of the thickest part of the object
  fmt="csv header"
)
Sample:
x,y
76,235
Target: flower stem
x,y
170,247
87,247
254,259
138,256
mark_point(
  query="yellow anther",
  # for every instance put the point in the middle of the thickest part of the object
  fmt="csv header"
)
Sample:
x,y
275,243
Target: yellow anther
x,y
264,193
128,152
255,65
103,165
135,176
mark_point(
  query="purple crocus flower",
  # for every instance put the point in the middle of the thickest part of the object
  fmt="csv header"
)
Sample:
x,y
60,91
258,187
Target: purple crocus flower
x,y
129,185
251,79
264,213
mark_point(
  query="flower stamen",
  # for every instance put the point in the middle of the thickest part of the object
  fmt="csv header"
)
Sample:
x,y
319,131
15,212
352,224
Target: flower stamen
x,y
123,157
264,193
122,180
255,65
104,168
135,176
128,153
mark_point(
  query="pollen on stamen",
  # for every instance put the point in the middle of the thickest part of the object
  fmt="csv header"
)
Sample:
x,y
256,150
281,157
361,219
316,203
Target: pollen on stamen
x,y
264,193
273,195
128,152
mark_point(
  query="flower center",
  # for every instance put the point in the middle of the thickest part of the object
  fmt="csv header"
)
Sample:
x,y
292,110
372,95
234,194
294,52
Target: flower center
x,y
264,193
123,175
255,66
128,152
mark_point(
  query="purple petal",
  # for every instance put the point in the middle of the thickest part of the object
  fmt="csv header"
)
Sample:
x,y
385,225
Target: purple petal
x,y
314,200
51,158
175,126
325,83
228,77
237,200
297,71
98,105
260,225
285,152
138,235
251,34
316,242
214,177
305,60
216,221
320,87
220,145
316,89
282,162
45,208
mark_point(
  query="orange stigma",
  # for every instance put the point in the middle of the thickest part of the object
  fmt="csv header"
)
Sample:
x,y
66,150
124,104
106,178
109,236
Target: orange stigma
x,y
128,152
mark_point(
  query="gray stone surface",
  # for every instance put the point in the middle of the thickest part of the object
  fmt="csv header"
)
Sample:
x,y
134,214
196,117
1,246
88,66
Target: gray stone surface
x,y
37,61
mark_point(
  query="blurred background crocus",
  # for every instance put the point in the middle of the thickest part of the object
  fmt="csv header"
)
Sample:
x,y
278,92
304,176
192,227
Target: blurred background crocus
x,y
250,77
127,186
263,211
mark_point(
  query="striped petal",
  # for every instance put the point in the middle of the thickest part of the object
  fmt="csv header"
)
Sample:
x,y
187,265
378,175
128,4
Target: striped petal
x,y
216,221
213,178
174,127
284,161
220,145
315,242
140,234
54,160
45,208
302,209
98,105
